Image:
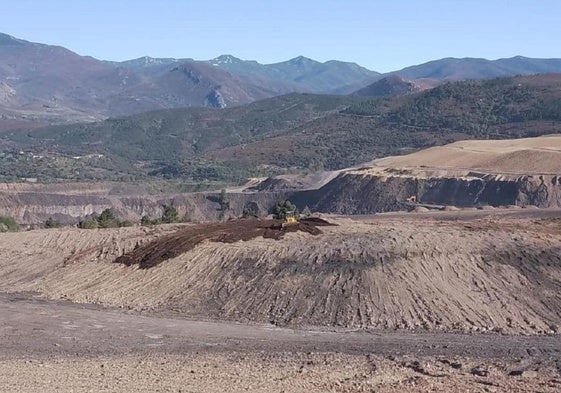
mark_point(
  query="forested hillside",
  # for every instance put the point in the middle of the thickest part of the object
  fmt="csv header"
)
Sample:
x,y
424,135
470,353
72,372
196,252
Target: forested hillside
x,y
297,132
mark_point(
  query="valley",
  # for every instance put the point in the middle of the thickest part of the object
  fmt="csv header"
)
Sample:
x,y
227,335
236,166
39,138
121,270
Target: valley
x,y
182,225
295,133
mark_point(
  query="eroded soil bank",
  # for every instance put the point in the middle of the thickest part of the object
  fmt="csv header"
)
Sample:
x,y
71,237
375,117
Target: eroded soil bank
x,y
494,273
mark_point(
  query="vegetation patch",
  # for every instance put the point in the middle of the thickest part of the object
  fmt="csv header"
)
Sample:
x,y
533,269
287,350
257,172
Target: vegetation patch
x,y
107,219
8,224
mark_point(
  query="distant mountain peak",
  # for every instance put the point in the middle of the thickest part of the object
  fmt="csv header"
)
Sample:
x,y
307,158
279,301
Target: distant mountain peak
x,y
303,60
226,59
146,61
8,40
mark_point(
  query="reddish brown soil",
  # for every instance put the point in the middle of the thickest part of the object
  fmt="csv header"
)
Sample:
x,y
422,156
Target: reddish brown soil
x,y
185,239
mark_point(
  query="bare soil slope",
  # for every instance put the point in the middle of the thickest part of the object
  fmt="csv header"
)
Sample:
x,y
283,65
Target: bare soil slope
x,y
522,156
493,274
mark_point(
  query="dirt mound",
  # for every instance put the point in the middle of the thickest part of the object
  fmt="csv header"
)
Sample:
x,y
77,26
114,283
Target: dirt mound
x,y
185,239
495,274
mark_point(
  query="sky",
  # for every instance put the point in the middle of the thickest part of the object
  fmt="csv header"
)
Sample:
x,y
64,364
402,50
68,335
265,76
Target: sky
x,y
380,35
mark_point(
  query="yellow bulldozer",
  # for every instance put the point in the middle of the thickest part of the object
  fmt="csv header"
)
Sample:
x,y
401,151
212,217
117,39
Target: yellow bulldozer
x,y
289,219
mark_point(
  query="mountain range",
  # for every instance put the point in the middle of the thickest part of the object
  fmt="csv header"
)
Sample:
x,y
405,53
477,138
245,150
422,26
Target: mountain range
x,y
44,84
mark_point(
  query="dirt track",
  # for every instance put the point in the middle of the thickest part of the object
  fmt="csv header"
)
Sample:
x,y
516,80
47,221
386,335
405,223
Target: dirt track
x,y
60,346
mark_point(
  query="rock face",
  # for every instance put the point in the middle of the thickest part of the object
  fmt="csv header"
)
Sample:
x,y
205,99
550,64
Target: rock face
x,y
354,193
33,204
214,100
349,193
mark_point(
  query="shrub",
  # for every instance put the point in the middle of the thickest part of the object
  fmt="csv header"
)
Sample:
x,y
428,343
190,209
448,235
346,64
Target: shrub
x,y
251,209
107,219
283,208
8,224
146,220
170,214
50,223
89,224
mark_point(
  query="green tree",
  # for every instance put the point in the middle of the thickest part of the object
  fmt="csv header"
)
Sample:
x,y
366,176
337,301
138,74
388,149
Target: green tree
x,y
170,214
108,219
88,224
284,207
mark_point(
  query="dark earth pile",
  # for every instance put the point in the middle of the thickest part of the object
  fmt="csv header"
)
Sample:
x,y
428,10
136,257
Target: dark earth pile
x,y
185,239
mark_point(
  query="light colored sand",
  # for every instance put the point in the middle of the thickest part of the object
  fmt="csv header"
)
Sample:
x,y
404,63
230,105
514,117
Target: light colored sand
x,y
521,156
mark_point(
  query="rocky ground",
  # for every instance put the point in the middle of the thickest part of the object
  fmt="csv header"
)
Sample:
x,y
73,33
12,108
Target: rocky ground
x,y
260,372
453,301
64,347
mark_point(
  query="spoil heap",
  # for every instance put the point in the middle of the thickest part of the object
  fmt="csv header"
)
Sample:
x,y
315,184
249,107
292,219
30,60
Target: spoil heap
x,y
185,239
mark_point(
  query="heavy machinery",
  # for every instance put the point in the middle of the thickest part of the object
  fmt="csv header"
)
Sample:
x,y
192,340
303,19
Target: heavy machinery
x,y
289,219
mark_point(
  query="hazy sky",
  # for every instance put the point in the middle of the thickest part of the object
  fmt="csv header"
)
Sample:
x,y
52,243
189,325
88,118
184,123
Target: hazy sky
x,y
381,35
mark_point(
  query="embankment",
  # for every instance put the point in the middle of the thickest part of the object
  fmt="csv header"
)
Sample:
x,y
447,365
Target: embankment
x,y
493,274
359,192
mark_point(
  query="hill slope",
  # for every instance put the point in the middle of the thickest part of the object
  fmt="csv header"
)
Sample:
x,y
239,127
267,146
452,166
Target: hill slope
x,y
395,85
472,68
299,132
501,276
518,156
44,84
50,84
501,108
169,143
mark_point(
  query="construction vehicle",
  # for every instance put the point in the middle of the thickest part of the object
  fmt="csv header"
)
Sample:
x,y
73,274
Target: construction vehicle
x,y
289,219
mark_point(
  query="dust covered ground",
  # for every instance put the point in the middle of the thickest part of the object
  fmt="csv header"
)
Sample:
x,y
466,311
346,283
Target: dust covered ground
x,y
526,156
450,302
61,346
493,273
